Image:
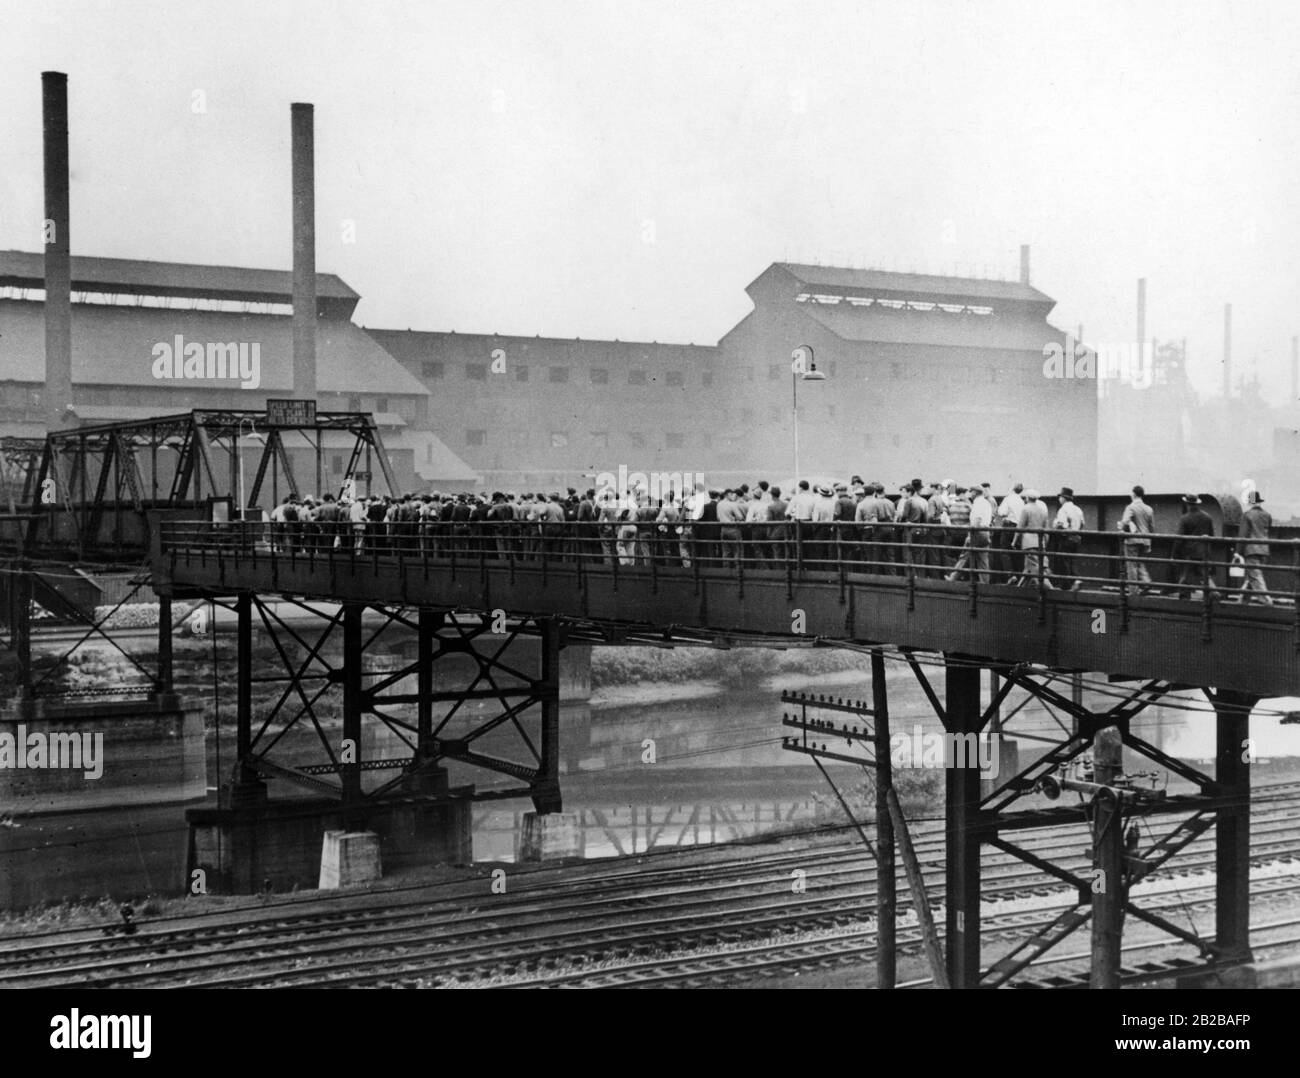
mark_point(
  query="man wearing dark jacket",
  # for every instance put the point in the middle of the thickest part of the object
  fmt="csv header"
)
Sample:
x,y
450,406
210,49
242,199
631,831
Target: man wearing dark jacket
x,y
707,530
1190,549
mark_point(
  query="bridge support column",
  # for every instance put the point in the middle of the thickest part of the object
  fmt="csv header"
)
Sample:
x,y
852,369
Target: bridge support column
x,y
247,788
165,683
426,775
350,755
546,789
549,833
886,876
962,838
20,623
1232,824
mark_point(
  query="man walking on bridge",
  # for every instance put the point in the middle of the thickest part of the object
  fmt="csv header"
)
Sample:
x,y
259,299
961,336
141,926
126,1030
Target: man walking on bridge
x,y
1033,518
1191,549
1137,524
1255,525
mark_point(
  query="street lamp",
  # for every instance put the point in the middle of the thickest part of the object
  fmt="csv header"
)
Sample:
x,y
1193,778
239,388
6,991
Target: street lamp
x,y
239,457
803,368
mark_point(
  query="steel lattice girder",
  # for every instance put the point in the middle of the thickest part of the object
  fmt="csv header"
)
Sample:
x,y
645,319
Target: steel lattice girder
x,y
308,675
1223,802
97,475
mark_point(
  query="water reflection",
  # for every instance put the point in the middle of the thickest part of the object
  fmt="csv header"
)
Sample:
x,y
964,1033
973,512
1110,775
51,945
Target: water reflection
x,y
642,767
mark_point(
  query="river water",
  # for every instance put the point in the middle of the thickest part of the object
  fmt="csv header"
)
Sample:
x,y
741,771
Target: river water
x,y
643,766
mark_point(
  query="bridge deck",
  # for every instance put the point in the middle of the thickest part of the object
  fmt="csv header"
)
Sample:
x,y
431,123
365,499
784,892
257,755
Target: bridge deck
x,y
1103,628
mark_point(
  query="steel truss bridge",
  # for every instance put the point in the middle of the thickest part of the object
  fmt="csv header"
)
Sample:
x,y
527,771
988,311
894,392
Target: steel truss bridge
x,y
470,590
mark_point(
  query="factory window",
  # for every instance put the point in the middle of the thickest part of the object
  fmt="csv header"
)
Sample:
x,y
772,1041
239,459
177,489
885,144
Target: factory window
x,y
600,376
707,378
336,463
706,440
674,441
559,439
895,370
434,370
381,404
521,374
354,404
559,375
636,378
675,378
600,438
637,439
475,437
476,372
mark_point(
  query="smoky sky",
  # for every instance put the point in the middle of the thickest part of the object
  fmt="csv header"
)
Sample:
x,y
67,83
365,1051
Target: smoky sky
x,y
625,169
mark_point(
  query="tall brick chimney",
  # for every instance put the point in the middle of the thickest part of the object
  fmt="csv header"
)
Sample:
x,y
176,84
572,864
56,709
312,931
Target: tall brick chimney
x,y
304,252
58,253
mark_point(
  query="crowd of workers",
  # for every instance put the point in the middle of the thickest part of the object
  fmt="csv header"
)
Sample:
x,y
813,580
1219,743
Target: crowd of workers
x,y
942,529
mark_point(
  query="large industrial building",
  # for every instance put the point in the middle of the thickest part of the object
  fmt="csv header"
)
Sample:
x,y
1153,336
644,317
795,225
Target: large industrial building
x,y
924,376
158,338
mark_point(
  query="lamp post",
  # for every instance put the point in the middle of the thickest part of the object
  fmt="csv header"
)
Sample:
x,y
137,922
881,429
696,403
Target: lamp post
x,y
239,457
803,367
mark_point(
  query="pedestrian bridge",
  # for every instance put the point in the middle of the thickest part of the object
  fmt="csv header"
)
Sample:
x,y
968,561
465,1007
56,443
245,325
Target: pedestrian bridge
x,y
815,585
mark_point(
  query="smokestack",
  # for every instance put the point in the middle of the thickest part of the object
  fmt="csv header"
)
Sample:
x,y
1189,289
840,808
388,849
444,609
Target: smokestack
x,y
58,252
1227,350
304,252
1024,263
1142,311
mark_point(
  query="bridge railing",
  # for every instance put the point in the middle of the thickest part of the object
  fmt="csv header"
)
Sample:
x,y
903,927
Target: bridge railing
x,y
1267,571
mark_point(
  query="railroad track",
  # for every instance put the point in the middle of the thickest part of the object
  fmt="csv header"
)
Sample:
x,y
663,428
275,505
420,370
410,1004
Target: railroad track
x,y
768,957
718,904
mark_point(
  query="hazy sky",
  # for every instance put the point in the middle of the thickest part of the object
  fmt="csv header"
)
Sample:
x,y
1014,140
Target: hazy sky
x,y
625,169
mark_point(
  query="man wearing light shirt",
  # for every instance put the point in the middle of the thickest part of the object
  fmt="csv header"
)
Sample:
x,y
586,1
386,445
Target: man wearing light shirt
x,y
976,554
1137,524
1033,519
731,514
1006,519
1066,544
801,505
756,525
